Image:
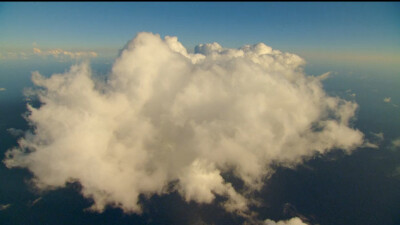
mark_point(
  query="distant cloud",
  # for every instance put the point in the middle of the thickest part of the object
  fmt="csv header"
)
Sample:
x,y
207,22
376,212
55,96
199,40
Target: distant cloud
x,y
377,138
379,135
14,55
15,132
2,89
368,144
4,206
396,143
387,99
293,221
60,53
169,117
349,92
34,202
324,76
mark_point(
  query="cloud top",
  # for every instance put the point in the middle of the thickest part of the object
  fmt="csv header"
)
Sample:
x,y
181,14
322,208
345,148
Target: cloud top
x,y
166,116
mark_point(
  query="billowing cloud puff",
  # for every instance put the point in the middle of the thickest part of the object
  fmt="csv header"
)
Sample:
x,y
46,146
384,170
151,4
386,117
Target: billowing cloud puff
x,y
166,117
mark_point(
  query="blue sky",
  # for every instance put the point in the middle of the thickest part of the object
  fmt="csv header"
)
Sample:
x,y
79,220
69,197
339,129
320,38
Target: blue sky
x,y
366,31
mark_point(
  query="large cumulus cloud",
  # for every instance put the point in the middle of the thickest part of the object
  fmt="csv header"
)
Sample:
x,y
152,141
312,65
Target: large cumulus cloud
x,y
165,116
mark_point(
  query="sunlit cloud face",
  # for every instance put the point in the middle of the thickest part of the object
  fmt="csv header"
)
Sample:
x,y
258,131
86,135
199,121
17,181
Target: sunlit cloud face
x,y
166,116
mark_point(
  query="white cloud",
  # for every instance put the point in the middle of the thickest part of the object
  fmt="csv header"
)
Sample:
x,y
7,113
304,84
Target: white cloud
x,y
58,54
293,221
13,55
324,76
387,99
396,143
62,54
349,92
34,202
15,132
4,206
379,135
167,115
368,144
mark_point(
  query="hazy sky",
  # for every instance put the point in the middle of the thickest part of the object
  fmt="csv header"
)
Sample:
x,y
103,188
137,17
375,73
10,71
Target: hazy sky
x,y
337,27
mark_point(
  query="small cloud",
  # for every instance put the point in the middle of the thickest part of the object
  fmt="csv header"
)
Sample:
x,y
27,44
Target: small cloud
x,y
14,55
37,51
387,99
324,76
61,54
159,143
2,89
368,144
379,135
4,207
395,143
15,132
293,221
349,92
377,139
34,202
396,172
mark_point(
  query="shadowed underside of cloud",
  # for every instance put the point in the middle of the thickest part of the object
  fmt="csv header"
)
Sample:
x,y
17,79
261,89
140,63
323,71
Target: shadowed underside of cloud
x,y
165,115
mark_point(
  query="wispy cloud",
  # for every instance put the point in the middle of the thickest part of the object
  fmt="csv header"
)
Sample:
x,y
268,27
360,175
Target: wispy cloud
x,y
396,143
34,202
350,92
378,136
2,89
57,54
60,53
293,221
388,99
4,206
324,76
